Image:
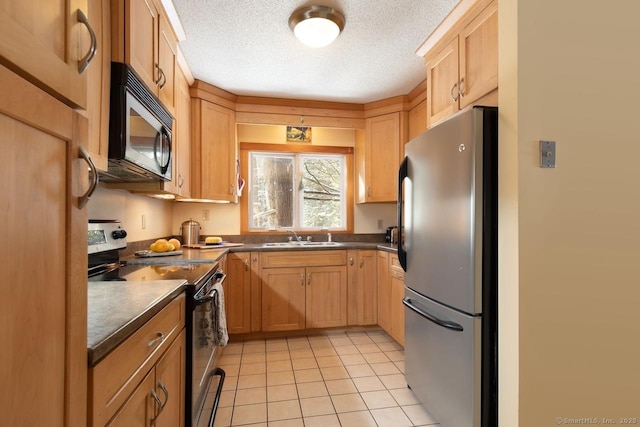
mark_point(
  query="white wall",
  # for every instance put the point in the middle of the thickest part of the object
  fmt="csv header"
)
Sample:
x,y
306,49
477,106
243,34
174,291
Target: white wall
x,y
569,286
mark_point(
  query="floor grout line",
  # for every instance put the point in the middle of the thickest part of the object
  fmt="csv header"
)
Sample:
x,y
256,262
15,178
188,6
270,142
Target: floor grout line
x,y
334,341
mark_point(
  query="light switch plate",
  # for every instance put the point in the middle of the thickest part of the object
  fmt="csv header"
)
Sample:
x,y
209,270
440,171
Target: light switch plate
x,y
547,154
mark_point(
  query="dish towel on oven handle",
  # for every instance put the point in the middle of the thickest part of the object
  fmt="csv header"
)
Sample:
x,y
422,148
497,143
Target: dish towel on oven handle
x,y
221,336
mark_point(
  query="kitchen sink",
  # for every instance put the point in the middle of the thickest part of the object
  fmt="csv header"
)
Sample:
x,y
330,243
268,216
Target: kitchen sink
x,y
304,244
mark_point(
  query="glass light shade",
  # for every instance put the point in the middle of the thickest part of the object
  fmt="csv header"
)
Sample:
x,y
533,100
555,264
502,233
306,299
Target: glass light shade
x,y
316,26
316,32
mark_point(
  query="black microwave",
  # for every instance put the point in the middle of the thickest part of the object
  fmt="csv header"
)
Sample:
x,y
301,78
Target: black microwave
x,y
140,129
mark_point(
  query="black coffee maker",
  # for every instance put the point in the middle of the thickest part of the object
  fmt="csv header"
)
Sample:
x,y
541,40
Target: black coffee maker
x,y
391,234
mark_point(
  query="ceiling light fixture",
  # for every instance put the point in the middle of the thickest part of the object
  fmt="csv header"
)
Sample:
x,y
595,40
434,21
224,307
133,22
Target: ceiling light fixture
x,y
316,26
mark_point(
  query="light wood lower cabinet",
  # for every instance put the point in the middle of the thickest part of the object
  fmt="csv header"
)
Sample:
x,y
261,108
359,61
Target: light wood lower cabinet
x,y
142,381
307,294
397,295
390,295
384,291
237,292
362,287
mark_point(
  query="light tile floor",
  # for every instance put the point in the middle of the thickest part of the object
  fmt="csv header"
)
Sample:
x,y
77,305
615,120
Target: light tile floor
x,y
347,379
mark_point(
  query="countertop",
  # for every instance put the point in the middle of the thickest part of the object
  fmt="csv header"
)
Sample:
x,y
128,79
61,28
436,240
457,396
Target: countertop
x,y
117,309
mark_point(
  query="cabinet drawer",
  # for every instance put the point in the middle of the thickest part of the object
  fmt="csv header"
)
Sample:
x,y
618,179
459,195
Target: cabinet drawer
x,y
303,258
113,379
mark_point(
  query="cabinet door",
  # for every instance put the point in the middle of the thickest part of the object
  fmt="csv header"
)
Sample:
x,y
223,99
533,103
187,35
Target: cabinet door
x,y
45,41
283,299
44,314
170,384
381,157
167,47
237,293
397,308
442,84
99,84
182,137
142,40
256,293
384,291
140,408
367,288
214,153
479,56
417,120
362,288
326,297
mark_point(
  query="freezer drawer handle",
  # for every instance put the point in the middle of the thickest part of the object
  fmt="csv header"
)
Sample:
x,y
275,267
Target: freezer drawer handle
x,y
444,323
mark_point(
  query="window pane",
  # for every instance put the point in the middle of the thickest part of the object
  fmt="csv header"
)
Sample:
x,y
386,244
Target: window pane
x,y
323,192
271,193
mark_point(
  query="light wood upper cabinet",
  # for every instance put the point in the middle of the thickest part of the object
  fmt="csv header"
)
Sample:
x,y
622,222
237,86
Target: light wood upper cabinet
x,y
99,85
46,41
362,287
213,152
43,364
377,159
143,38
465,69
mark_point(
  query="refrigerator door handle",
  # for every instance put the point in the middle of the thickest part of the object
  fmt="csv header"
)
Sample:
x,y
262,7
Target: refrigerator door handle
x,y
402,253
444,323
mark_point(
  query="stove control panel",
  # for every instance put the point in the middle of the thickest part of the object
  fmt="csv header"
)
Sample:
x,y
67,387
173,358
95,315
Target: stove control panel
x,y
105,235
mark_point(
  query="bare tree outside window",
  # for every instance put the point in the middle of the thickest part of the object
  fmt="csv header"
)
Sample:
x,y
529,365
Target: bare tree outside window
x,y
300,191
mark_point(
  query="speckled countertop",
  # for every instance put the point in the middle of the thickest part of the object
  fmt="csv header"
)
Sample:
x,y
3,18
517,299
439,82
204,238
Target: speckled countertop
x,y
117,309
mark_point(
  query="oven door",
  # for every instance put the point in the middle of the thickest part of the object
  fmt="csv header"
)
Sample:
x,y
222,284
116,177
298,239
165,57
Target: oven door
x,y
204,352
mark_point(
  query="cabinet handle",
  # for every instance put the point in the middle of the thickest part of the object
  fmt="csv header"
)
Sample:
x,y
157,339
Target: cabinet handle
x,y
455,85
460,89
84,62
180,181
166,395
369,191
254,259
158,71
309,279
155,397
154,342
361,262
246,264
351,261
82,200
163,79
302,279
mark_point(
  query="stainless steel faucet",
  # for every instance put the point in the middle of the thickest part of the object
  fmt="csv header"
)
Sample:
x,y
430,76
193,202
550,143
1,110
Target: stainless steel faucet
x,y
295,235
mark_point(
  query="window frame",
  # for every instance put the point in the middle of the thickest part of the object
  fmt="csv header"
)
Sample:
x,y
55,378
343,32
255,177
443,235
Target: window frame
x,y
246,147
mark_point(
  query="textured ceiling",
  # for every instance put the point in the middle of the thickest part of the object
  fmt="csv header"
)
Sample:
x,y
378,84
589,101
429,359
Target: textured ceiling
x,y
247,48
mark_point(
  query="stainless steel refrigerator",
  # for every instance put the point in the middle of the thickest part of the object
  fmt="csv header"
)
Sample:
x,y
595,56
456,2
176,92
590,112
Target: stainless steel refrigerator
x,y
447,215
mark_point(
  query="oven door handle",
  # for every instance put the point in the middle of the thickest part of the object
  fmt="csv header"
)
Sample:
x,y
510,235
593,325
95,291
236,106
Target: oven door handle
x,y
220,277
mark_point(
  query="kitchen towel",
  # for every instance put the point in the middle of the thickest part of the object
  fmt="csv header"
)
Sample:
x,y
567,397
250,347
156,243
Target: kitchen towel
x,y
221,335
